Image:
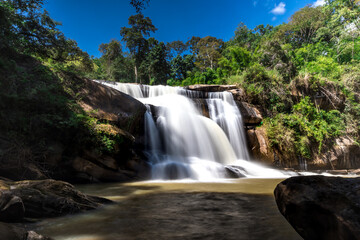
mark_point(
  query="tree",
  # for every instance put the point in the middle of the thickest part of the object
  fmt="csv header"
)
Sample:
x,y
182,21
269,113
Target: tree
x,y
111,52
235,59
134,37
192,43
209,52
139,5
303,25
176,48
274,55
181,65
155,65
344,25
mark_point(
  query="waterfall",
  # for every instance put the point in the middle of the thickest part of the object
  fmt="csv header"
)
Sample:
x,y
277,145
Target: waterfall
x,y
223,110
182,143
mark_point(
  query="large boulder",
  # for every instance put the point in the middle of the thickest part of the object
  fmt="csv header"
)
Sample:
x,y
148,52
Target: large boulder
x,y
321,207
250,114
45,198
109,104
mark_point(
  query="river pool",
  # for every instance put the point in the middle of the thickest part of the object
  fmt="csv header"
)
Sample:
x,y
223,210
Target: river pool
x,y
233,209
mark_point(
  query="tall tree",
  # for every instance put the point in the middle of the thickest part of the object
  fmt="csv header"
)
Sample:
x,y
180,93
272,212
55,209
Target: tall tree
x,y
135,38
176,47
209,52
155,64
110,53
303,25
192,43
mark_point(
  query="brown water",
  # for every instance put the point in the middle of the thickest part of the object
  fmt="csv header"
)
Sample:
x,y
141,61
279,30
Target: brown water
x,y
241,209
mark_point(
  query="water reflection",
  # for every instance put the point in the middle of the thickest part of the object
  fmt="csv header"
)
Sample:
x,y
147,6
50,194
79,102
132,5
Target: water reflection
x,y
244,209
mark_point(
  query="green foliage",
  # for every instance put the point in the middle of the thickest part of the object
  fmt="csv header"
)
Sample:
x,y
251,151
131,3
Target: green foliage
x,y
324,67
305,128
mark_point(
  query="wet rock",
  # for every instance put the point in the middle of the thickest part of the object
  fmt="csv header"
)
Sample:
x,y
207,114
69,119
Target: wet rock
x,y
234,172
321,207
11,207
202,106
50,198
250,114
210,88
12,232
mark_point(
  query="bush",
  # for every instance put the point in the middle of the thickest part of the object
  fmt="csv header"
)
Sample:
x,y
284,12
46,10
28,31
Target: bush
x,y
324,67
305,127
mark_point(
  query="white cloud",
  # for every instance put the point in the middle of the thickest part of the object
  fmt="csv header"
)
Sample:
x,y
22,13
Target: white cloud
x,y
319,3
279,9
274,18
255,3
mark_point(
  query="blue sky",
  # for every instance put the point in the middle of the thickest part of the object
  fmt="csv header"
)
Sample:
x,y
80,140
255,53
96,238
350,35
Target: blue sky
x,y
92,22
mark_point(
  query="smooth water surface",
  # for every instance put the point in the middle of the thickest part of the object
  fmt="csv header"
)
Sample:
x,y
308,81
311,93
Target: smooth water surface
x,y
235,209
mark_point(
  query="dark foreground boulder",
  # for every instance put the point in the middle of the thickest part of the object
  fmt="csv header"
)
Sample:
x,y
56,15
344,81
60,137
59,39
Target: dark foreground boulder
x,y
321,207
42,199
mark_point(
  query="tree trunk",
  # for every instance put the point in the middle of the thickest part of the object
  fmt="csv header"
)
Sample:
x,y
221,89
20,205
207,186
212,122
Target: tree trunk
x,y
135,68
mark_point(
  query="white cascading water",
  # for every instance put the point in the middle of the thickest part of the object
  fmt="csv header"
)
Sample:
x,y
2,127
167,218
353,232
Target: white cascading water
x,y
184,144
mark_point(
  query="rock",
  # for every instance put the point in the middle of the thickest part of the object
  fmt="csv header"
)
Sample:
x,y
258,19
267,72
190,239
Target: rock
x,y
109,104
12,232
238,94
321,207
31,235
202,106
22,171
250,115
97,173
210,88
11,207
50,198
54,154
259,145
234,172
106,161
345,154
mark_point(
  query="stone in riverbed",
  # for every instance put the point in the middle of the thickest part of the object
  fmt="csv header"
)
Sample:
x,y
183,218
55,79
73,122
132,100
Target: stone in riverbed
x,y
12,232
321,207
11,207
50,198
